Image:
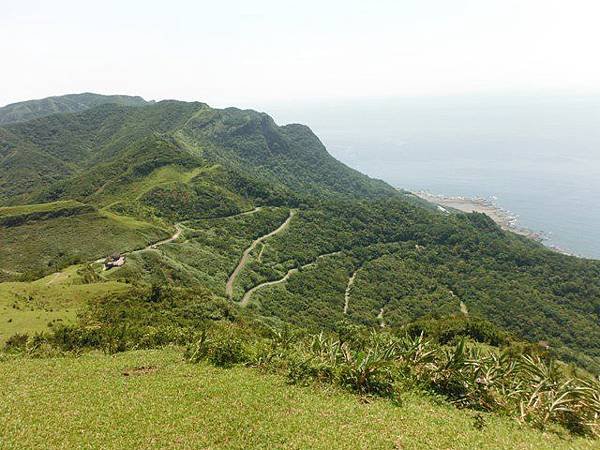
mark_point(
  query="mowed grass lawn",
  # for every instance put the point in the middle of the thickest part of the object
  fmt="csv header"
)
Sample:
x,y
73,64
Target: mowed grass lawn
x,y
89,402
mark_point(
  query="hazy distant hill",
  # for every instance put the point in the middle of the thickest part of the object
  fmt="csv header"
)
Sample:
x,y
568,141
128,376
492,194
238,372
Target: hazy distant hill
x,y
31,109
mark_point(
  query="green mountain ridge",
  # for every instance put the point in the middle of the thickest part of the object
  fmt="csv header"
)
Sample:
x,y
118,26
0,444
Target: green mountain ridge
x,y
137,170
32,109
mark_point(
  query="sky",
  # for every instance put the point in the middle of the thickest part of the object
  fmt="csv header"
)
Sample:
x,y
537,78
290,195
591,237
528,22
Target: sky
x,y
267,51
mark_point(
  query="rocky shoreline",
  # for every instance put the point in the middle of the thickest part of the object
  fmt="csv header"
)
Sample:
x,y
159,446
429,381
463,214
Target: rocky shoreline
x,y
506,219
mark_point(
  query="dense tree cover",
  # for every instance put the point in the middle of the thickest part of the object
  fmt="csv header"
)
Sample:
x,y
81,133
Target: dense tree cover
x,y
37,153
414,263
289,156
110,180
251,187
180,201
449,329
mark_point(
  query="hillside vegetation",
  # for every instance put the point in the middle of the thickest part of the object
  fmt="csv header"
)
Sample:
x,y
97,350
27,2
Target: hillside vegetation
x,y
136,171
35,307
42,238
226,219
462,362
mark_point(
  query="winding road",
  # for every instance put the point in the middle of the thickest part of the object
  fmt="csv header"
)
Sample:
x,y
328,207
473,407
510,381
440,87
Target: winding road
x,y
246,298
246,254
178,230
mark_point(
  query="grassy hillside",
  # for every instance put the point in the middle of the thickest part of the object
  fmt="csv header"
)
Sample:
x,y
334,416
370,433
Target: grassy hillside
x,y
410,270
152,399
43,238
35,307
97,141
207,252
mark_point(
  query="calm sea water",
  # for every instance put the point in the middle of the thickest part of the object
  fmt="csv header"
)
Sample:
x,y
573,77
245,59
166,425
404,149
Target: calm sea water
x,y
539,156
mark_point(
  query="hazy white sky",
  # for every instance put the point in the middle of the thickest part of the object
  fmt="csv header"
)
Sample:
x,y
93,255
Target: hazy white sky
x,y
252,52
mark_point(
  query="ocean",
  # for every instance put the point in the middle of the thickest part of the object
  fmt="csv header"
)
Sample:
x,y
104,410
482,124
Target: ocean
x,y
535,156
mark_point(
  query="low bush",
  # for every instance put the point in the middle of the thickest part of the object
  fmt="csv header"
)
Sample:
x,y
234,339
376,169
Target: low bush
x,y
223,344
447,330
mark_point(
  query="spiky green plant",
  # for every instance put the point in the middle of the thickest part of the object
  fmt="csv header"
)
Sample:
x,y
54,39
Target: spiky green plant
x,y
369,371
537,391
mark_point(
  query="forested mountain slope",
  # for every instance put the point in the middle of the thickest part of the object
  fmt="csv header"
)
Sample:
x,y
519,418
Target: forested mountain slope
x,y
31,109
116,178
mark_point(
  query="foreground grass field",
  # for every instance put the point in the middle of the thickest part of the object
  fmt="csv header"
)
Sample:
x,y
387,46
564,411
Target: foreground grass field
x,y
152,399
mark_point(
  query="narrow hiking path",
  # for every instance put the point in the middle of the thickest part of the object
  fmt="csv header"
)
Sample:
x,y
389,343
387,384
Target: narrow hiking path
x,y
179,226
262,249
380,318
245,213
348,289
246,254
178,230
248,294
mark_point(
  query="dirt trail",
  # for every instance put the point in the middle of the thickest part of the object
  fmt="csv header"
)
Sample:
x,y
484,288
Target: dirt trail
x,y
380,318
348,289
57,276
246,298
246,254
178,231
245,213
262,249
248,294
